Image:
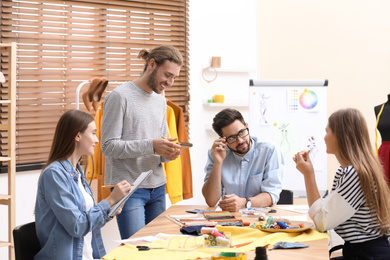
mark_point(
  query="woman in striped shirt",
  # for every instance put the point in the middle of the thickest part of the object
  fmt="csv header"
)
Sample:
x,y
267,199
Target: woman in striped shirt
x,y
358,207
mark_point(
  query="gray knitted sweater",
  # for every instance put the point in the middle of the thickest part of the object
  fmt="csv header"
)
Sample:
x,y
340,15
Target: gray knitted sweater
x,y
132,118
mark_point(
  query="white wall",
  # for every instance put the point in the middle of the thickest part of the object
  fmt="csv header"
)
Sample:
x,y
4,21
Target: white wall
x,y
227,29
26,190
343,41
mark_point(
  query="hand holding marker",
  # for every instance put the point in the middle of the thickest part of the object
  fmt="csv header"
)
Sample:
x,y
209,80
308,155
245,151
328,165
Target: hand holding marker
x,y
182,144
174,147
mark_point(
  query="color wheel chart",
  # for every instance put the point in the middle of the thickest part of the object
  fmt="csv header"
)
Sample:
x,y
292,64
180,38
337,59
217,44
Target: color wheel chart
x,y
299,100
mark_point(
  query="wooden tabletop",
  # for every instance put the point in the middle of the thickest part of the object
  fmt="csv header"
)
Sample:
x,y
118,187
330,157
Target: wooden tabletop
x,y
317,250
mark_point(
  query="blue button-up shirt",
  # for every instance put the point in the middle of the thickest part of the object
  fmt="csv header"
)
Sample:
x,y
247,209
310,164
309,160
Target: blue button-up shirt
x,y
60,214
260,170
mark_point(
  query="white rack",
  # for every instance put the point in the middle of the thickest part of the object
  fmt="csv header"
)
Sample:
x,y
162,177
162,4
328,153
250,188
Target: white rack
x,y
9,198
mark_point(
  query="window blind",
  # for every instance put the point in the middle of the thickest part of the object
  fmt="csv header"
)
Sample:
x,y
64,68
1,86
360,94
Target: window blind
x,y
63,43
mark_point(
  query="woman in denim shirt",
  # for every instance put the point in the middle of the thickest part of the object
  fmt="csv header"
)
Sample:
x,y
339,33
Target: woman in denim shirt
x,y
67,219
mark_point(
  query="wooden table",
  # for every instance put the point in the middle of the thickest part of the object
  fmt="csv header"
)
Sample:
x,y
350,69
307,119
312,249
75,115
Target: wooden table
x,y
317,250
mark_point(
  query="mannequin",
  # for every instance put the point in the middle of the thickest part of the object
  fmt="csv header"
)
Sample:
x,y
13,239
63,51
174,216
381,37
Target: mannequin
x,y
383,126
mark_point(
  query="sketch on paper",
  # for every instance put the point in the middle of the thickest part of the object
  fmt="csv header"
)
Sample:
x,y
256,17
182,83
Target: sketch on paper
x,y
284,142
285,136
263,108
312,146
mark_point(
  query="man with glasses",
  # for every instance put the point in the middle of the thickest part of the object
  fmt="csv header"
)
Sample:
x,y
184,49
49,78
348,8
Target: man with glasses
x,y
241,170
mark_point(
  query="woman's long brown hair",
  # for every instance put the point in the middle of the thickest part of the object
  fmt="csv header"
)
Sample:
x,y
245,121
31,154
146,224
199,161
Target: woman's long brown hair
x,y
70,124
352,135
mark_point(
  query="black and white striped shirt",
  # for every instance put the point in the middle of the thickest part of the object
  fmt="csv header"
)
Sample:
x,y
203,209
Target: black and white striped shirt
x,y
345,209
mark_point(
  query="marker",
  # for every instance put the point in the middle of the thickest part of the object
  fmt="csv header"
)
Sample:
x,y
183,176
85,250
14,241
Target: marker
x,y
166,139
240,245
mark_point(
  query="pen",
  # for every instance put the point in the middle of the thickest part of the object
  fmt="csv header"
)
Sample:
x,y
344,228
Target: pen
x,y
166,139
240,245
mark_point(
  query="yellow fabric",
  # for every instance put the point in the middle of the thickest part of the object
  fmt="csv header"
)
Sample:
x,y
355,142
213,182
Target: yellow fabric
x,y
172,169
186,169
376,126
239,235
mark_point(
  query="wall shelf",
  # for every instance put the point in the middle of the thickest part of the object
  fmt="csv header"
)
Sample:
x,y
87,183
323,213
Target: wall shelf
x,y
229,103
233,70
230,69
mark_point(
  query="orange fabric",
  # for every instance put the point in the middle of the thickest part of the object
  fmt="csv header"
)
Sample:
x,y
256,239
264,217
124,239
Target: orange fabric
x,y
98,157
88,172
185,153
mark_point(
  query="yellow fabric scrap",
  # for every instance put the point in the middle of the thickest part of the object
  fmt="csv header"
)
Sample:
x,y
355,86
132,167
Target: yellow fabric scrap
x,y
239,235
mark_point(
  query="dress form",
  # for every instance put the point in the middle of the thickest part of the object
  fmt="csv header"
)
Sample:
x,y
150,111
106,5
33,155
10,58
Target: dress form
x,y
383,127
384,120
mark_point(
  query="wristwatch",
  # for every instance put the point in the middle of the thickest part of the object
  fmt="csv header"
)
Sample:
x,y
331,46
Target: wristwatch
x,y
248,203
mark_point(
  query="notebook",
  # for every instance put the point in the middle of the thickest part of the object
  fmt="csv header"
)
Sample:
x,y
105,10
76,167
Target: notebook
x,y
137,182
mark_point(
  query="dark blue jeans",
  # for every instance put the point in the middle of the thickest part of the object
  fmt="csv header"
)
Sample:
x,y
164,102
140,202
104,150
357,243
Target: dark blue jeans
x,y
143,206
376,249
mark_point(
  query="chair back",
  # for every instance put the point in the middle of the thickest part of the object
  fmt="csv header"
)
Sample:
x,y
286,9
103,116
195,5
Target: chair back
x,y
286,198
26,242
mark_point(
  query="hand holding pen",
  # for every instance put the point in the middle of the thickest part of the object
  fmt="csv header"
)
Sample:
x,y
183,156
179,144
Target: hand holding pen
x,y
166,147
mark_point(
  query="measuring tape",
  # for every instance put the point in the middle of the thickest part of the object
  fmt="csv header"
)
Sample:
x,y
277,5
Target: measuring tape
x,y
229,256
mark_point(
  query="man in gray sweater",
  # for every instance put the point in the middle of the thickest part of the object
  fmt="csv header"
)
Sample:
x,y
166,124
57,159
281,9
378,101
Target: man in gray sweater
x,y
133,129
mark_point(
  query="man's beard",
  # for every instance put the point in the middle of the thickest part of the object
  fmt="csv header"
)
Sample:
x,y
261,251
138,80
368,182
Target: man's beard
x,y
153,82
246,150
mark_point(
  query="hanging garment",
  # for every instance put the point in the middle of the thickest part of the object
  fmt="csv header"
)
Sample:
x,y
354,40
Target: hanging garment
x,y
98,160
384,157
172,169
185,153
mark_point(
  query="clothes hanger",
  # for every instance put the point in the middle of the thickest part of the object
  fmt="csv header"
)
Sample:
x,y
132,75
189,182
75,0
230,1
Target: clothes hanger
x,y
2,78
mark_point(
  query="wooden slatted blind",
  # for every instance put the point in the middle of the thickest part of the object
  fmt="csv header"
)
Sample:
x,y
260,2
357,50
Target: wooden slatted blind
x,y
63,43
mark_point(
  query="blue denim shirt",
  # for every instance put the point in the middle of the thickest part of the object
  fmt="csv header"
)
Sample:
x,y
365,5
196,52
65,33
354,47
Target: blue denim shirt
x,y
60,216
259,170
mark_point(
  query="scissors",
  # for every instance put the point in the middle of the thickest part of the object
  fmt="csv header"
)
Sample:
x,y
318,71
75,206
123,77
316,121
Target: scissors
x,y
146,248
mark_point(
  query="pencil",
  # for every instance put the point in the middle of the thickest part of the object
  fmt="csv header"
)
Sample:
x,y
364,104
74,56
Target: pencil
x,y
166,139
108,186
240,245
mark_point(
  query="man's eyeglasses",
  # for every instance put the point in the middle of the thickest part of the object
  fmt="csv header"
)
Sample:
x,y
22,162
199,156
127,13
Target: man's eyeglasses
x,y
233,138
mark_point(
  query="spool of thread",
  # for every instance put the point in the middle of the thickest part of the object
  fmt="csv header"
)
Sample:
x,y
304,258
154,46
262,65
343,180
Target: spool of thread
x,y
207,230
282,225
211,231
262,216
269,220
261,253
294,227
217,234
223,241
